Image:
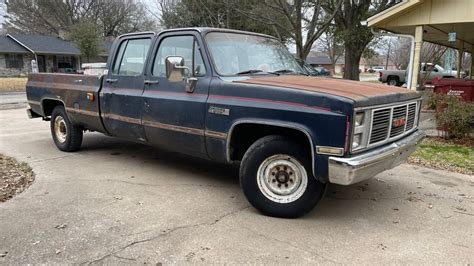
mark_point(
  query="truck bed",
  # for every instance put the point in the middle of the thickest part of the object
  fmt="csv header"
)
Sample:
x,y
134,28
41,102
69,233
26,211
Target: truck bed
x,y
78,93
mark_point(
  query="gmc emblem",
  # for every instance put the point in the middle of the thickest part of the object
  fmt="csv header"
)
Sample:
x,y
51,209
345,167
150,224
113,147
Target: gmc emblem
x,y
398,122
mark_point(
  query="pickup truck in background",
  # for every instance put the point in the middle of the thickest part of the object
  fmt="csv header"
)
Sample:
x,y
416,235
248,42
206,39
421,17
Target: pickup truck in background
x,y
238,98
398,77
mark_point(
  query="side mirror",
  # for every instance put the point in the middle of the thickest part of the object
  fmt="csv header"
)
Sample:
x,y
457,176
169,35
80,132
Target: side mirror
x,y
175,68
176,72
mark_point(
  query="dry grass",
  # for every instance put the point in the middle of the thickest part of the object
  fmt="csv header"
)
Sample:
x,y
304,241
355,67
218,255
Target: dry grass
x,y
12,84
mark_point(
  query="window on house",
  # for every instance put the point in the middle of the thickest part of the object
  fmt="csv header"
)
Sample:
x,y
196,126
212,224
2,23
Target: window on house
x,y
14,60
64,61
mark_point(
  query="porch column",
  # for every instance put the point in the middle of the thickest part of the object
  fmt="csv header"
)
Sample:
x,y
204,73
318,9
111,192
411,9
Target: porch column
x,y
471,74
416,57
460,54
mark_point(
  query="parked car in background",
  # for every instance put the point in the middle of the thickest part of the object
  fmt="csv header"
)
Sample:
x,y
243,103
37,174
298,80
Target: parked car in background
x,y
398,77
238,98
322,71
376,69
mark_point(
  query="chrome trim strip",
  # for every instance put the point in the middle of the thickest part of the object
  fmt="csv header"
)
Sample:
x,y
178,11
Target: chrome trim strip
x,y
82,112
270,123
34,102
341,150
188,130
215,134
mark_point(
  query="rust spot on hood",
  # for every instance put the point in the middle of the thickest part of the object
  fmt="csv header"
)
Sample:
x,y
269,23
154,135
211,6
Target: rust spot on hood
x,y
354,90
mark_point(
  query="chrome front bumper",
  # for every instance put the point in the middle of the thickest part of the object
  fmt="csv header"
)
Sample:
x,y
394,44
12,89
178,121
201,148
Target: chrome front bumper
x,y
347,171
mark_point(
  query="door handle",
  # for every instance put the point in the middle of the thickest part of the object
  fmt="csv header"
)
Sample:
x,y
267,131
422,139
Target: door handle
x,y
150,82
111,80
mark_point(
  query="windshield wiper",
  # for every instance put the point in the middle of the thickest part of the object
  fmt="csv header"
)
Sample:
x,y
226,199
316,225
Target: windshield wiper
x,y
283,71
250,71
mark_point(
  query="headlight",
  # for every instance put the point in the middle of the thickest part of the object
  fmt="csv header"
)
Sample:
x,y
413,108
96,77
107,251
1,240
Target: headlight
x,y
359,119
356,140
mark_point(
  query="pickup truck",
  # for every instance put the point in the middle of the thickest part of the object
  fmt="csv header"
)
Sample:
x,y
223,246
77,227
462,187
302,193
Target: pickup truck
x,y
428,71
238,98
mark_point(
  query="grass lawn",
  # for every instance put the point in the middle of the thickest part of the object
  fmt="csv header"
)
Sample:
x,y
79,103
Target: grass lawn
x,y
444,154
12,84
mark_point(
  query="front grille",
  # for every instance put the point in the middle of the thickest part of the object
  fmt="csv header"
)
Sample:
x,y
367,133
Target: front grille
x,y
391,122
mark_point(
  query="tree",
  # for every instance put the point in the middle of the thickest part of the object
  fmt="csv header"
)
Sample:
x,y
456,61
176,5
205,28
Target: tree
x,y
356,36
232,14
85,36
112,17
305,20
399,53
331,44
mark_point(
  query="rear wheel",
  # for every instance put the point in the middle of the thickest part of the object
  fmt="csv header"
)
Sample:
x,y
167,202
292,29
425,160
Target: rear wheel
x,y
276,178
66,136
393,81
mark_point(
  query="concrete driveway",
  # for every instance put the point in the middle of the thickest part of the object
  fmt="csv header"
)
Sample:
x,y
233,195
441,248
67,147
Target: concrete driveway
x,y
120,202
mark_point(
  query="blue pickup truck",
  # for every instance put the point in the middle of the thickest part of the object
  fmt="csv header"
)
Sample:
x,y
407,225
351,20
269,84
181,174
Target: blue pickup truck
x,y
239,98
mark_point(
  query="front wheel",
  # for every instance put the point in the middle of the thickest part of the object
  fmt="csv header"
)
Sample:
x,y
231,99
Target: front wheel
x,y
276,178
66,135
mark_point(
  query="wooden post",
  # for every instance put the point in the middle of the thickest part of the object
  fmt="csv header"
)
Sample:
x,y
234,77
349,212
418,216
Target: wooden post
x,y
417,56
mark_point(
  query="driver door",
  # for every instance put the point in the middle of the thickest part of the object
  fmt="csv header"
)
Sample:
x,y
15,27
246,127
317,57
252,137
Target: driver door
x,y
174,118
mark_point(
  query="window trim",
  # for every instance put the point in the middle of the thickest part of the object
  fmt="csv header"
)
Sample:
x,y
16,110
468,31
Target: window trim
x,y
20,64
211,56
198,35
127,40
194,42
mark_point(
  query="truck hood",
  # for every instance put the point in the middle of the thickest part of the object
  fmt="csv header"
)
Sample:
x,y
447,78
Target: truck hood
x,y
362,93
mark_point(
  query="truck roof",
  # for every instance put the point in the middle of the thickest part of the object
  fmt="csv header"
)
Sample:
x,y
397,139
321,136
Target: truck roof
x,y
202,30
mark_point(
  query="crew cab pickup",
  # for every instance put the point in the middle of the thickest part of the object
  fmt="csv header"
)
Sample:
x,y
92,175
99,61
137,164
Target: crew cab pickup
x,y
238,98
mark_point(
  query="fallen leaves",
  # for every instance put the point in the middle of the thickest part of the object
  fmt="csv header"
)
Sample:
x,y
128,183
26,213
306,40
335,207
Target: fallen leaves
x,y
60,226
15,177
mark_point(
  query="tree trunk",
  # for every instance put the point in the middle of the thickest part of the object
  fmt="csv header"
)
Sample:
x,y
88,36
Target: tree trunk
x,y
351,65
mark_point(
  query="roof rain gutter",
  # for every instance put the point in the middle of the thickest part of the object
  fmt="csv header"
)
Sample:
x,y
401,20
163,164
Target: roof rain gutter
x,y
412,52
24,46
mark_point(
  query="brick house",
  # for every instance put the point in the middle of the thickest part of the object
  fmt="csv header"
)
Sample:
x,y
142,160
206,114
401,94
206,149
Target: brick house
x,y
52,54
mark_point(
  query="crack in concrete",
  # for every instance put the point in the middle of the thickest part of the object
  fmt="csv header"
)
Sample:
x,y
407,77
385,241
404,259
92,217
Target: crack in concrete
x,y
164,233
306,249
53,158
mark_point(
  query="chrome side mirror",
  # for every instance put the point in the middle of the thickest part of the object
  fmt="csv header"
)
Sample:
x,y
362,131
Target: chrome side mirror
x,y
176,71
175,68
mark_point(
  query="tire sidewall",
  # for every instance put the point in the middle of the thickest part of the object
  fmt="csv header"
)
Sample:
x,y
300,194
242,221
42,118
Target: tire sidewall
x,y
257,153
60,111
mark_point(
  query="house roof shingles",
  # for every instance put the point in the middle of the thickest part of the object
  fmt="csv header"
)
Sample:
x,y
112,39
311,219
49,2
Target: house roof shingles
x,y
43,44
7,45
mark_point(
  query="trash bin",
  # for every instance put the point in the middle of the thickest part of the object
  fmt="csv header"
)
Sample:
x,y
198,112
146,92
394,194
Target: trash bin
x,y
461,88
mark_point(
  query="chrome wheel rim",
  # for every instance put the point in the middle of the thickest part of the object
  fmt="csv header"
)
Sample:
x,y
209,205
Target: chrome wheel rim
x,y
282,179
60,129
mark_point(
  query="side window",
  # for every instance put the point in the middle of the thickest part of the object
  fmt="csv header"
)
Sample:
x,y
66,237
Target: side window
x,y
184,46
131,57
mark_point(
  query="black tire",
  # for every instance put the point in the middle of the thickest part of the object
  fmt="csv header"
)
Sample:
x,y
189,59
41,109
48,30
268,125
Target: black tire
x,y
393,81
70,137
257,156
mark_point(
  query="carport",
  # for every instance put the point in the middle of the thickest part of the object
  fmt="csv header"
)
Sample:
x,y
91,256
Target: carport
x,y
448,23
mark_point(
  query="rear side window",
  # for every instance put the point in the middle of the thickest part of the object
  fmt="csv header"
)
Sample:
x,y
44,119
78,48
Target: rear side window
x,y
131,57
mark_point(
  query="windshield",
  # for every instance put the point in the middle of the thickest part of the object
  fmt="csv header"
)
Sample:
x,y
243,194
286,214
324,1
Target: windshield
x,y
235,54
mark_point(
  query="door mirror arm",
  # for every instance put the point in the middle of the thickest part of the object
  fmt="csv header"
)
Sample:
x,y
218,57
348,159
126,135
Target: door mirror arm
x,y
176,71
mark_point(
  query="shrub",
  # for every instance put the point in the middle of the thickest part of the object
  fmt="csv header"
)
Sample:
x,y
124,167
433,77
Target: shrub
x,y
454,116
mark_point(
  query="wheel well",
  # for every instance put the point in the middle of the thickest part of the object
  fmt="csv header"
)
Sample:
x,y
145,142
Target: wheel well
x,y
48,106
393,77
244,135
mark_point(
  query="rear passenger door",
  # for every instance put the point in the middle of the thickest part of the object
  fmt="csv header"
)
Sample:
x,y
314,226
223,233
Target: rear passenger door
x,y
121,95
174,118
